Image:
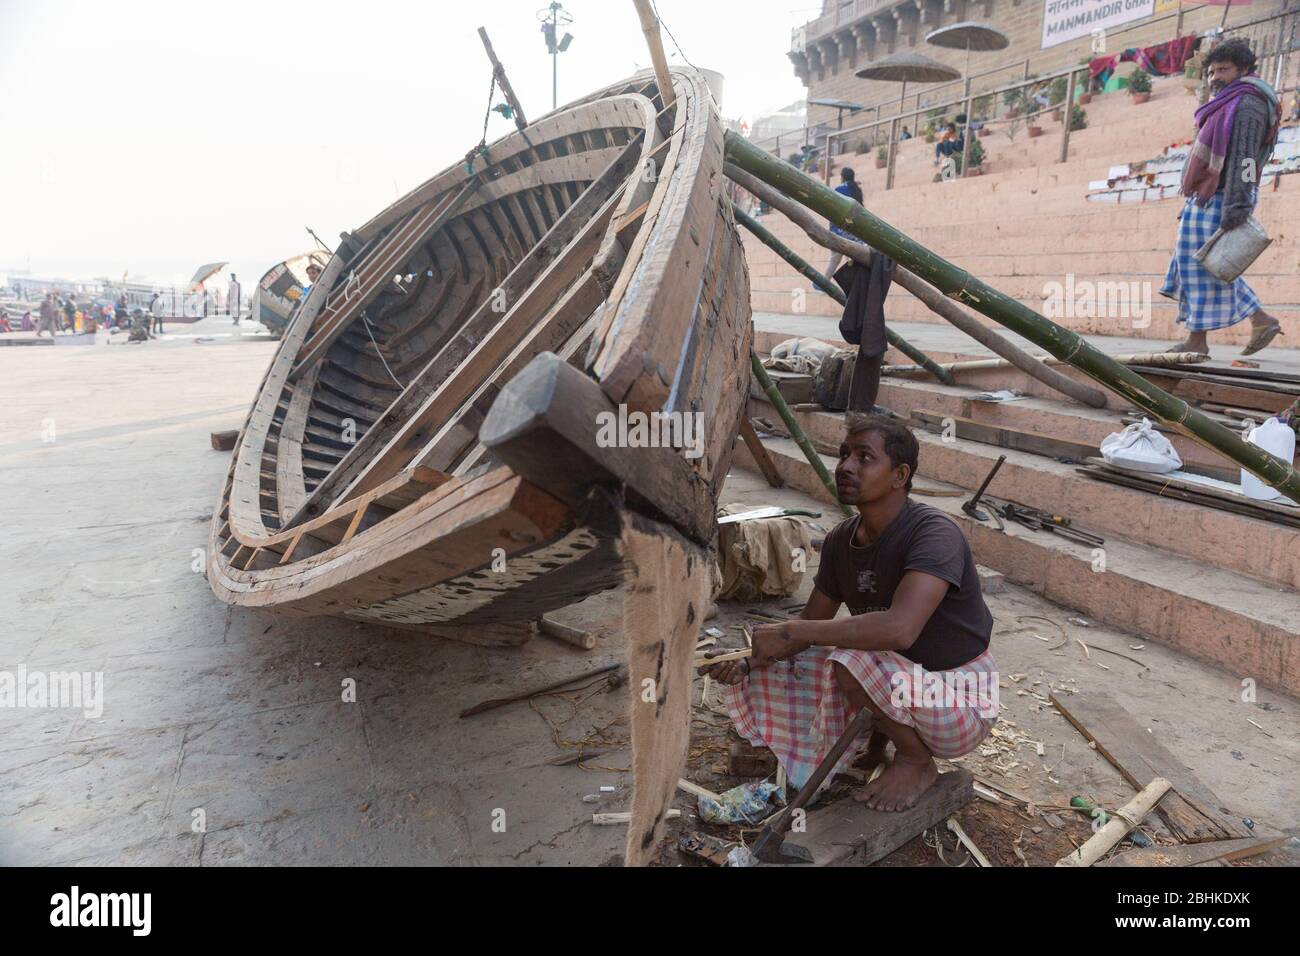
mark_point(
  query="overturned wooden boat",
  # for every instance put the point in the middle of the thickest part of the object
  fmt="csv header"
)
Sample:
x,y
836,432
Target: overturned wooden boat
x,y
425,448
282,289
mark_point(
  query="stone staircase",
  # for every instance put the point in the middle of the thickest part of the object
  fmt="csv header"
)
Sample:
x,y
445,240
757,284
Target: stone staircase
x,y
1027,223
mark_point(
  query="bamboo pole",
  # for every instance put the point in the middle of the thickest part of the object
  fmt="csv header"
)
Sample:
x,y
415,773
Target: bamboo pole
x,y
1069,118
979,365
1061,342
796,431
914,284
650,27
801,266
1121,822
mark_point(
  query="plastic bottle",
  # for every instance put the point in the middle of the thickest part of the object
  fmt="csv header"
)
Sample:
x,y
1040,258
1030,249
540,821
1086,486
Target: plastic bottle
x,y
1276,439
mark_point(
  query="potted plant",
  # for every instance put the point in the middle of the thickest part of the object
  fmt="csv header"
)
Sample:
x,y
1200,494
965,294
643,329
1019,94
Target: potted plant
x,y
976,159
1086,96
882,157
1034,131
1078,118
1139,86
1013,100
1056,96
982,107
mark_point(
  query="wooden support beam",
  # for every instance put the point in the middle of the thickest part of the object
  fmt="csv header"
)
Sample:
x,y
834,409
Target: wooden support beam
x,y
650,27
549,424
760,454
664,602
499,72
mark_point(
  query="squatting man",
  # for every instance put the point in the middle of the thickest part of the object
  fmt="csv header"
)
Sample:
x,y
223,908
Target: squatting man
x,y
917,621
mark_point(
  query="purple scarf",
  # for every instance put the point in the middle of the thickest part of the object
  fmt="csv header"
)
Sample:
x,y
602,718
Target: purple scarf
x,y
1214,132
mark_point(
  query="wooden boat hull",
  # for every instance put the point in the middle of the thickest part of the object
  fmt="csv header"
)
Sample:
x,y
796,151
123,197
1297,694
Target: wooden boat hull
x,y
600,234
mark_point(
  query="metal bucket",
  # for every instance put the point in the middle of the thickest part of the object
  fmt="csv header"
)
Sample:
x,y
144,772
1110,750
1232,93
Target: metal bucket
x,y
1229,253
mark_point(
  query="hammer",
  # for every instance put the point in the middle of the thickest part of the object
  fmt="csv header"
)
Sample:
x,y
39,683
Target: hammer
x,y
970,507
770,847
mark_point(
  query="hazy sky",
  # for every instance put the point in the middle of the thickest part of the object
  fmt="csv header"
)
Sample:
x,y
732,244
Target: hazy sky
x,y
150,136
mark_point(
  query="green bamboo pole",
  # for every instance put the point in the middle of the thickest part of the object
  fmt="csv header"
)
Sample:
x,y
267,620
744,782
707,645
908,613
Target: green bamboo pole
x,y
796,432
831,289
960,285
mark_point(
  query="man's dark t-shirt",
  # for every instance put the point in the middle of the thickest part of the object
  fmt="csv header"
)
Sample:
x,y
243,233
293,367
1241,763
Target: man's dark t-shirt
x,y
921,538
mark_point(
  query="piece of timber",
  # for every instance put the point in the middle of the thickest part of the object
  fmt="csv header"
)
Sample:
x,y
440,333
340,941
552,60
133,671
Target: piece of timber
x,y
849,833
499,72
664,602
1126,818
1172,486
759,453
960,285
1197,854
554,425
1192,812
1033,442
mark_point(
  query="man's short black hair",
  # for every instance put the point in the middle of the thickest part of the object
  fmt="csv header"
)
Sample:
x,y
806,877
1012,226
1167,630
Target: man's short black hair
x,y
900,444
1235,51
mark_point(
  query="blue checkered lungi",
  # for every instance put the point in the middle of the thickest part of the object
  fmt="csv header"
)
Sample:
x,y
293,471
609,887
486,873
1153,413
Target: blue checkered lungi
x,y
1205,303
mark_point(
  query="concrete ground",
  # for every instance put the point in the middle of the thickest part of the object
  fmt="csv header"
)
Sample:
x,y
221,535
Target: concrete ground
x,y
225,735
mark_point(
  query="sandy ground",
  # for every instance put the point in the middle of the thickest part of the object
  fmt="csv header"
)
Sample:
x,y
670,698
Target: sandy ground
x,y
225,738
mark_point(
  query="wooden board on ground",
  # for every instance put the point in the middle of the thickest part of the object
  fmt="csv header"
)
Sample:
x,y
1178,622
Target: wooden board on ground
x,y
1197,853
1172,486
1191,811
1002,437
848,833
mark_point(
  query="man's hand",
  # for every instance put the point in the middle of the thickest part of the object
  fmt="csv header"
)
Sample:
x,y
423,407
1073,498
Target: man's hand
x,y
728,672
772,642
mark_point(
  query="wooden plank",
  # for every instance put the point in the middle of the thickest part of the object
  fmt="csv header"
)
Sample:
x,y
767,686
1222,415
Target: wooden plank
x,y
849,833
756,449
1172,485
1192,812
1192,389
664,603
1197,854
1033,442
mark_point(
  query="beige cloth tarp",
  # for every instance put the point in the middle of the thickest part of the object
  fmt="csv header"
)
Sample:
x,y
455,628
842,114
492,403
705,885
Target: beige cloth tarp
x,y
765,557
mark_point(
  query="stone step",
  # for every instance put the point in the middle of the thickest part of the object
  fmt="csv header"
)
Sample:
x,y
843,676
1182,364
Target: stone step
x,y
1232,620
1262,549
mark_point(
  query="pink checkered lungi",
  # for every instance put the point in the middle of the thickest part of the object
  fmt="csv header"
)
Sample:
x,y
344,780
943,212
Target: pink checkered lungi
x,y
796,707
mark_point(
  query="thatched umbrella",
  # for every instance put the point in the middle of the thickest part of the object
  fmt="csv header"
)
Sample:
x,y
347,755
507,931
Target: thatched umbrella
x,y
908,67
969,36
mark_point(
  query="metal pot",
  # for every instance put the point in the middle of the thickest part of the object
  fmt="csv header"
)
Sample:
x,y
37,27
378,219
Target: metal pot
x,y
1229,253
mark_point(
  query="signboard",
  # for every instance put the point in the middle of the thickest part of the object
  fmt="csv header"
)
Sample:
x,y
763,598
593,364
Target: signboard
x,y
1066,20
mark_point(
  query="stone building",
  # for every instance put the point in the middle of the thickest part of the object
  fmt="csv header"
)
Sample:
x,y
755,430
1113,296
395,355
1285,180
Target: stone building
x,y
1046,34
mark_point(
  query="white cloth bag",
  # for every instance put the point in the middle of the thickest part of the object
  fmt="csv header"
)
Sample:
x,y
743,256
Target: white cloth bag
x,y
1139,447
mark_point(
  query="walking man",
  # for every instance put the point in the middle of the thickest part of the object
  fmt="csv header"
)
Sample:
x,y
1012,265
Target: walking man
x,y
156,309
1235,134
49,316
232,298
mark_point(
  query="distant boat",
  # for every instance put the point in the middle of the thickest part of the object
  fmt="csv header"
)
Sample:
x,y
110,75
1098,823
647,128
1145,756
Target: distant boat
x,y
283,289
601,234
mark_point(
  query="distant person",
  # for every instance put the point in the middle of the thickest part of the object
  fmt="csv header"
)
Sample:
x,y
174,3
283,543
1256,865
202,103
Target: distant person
x,y
232,298
313,274
951,142
70,312
156,308
848,187
28,325
119,312
906,134
49,316
4,320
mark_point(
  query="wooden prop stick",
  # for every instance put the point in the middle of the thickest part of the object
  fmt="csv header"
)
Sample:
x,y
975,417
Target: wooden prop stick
x,y
664,602
833,290
1121,822
499,72
1137,358
796,431
931,297
1019,318
650,27
759,453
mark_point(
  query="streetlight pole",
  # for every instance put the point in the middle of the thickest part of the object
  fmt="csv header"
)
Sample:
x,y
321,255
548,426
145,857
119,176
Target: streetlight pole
x,y
554,17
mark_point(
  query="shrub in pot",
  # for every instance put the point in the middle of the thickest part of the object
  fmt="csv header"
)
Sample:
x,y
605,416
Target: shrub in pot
x,y
882,157
1139,86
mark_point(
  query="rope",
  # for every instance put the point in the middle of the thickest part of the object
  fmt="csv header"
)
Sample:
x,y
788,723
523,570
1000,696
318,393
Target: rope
x,y
481,148
366,319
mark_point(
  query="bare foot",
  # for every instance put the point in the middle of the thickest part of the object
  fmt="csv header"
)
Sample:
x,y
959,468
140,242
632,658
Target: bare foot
x,y
900,786
875,752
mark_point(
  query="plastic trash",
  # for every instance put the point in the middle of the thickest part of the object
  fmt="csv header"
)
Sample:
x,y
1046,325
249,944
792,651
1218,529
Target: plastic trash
x,y
1139,447
1277,439
744,804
